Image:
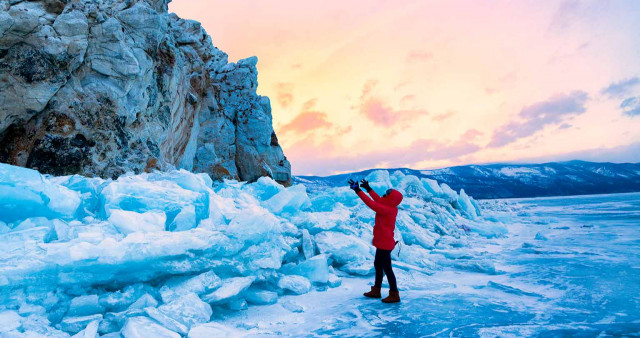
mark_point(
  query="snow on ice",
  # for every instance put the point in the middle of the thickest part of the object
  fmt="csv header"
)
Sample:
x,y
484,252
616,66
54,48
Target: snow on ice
x,y
160,253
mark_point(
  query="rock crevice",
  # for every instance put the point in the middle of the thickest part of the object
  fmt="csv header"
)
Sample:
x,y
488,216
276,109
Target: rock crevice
x,y
103,87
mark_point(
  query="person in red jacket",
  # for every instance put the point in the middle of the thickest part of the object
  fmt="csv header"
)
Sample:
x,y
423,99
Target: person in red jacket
x,y
386,208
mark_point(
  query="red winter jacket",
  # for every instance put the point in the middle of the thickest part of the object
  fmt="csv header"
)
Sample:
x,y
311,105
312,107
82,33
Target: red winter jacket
x,y
386,209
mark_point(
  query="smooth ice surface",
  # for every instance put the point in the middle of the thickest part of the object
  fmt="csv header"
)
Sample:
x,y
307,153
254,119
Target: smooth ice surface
x,y
183,255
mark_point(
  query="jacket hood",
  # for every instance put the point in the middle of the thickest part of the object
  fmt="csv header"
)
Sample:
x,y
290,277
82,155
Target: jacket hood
x,y
393,198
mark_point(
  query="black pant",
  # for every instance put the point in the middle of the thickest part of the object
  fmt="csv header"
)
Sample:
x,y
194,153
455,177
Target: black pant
x,y
382,263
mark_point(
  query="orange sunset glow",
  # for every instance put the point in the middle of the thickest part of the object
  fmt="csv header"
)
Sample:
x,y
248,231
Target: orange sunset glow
x,y
428,84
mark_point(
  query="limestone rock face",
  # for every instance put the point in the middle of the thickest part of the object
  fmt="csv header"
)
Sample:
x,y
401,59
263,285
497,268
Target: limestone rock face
x,y
102,87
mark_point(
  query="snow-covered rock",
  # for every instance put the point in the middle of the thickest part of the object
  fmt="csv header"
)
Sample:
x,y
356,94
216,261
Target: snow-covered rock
x,y
111,86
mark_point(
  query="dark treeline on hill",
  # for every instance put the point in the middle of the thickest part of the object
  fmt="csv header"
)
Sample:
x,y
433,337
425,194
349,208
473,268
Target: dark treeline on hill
x,y
519,180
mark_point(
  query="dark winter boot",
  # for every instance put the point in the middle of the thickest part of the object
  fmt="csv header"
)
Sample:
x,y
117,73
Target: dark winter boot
x,y
374,293
394,297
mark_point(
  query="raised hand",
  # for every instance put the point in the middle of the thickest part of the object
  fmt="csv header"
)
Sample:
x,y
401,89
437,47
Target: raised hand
x,y
365,184
354,185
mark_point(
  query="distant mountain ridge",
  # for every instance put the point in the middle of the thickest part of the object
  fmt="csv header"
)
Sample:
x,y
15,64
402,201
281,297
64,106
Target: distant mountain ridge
x,y
518,180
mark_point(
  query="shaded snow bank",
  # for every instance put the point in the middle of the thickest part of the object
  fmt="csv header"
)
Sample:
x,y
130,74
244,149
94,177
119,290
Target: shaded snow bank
x,y
170,249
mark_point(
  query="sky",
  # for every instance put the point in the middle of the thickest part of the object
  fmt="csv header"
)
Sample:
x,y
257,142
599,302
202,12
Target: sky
x,y
362,84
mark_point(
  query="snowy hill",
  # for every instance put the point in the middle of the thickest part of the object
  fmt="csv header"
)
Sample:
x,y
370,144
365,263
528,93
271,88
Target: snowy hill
x,y
518,180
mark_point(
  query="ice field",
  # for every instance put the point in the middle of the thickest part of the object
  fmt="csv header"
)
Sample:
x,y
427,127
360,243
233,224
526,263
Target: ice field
x,y
569,267
175,254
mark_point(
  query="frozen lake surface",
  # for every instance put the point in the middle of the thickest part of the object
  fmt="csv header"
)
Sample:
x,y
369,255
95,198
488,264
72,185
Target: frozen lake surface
x,y
570,266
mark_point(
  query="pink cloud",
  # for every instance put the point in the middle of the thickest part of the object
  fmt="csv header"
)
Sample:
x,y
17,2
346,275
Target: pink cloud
x,y
471,134
309,104
379,112
444,116
306,121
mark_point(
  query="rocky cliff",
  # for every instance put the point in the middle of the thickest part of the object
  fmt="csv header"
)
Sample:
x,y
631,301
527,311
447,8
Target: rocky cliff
x,y
102,87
